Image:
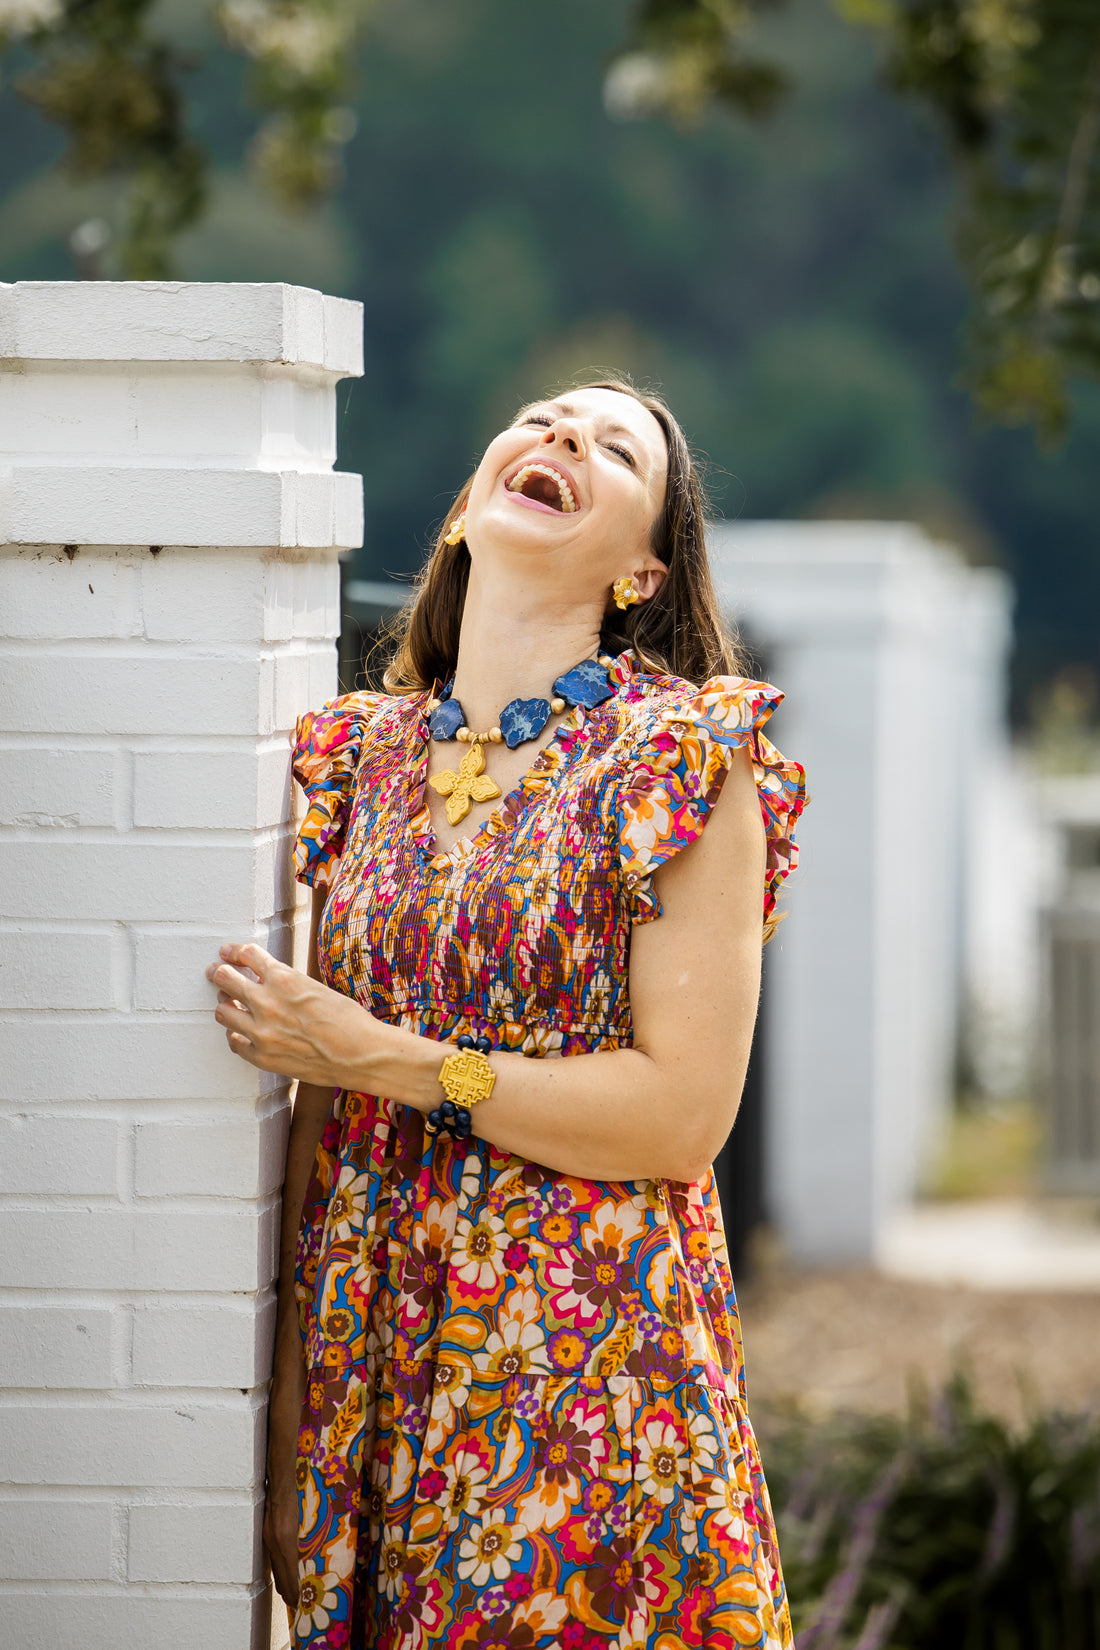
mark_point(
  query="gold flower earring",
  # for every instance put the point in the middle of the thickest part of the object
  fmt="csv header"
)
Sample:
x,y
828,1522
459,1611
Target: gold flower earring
x,y
458,530
624,592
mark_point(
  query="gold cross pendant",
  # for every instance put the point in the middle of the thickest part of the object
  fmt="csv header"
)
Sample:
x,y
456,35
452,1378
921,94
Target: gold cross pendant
x,y
470,784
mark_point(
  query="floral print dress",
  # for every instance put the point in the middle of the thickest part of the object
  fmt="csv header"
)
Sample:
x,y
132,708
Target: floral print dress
x,y
525,1424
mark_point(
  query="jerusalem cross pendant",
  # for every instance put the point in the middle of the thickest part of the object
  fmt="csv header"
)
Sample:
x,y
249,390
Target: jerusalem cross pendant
x,y
469,784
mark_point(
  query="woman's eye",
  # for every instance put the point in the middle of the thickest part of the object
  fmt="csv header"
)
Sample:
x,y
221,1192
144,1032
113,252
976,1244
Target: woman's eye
x,y
624,452
538,418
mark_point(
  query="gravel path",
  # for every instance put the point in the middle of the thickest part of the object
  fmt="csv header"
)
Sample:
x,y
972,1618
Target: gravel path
x,y
853,1339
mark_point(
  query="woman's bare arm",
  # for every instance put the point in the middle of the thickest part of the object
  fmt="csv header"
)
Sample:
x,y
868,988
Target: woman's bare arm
x,y
661,1109
312,1105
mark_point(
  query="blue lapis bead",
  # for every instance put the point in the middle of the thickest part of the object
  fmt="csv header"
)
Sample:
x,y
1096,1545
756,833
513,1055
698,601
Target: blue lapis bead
x,y
465,1041
483,1046
446,719
586,684
523,719
461,1127
435,1122
448,1111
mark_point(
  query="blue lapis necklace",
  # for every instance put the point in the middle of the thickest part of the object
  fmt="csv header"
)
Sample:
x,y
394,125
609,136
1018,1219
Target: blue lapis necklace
x,y
521,720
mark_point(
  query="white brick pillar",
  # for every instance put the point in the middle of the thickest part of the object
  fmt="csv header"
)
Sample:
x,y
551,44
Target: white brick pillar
x,y
880,639
169,529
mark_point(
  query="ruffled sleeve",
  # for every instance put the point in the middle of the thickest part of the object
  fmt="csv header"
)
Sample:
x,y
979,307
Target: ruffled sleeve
x,y
676,778
327,747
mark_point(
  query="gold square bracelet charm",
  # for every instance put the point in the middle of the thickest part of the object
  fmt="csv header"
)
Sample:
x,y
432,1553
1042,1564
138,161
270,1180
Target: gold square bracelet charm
x,y
467,1078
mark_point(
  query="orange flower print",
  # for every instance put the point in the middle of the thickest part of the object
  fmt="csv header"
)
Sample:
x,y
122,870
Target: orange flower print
x,y
567,1351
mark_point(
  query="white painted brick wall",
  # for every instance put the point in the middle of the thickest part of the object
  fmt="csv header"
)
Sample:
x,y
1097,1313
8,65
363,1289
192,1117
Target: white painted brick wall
x,y
218,1156
71,968
203,1541
57,1540
141,1250
216,1343
76,1618
234,790
133,1057
57,1346
168,962
207,1443
61,788
146,700
59,1156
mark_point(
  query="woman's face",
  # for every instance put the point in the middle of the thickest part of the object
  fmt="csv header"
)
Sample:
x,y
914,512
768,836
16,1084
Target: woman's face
x,y
573,488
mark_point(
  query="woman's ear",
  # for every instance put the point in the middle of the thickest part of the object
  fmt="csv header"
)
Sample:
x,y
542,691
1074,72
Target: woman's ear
x,y
650,579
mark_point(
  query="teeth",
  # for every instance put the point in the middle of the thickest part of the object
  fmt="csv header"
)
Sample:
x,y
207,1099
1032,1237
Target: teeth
x,y
568,502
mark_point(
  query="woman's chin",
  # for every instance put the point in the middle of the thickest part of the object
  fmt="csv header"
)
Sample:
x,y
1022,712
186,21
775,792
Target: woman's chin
x,y
508,526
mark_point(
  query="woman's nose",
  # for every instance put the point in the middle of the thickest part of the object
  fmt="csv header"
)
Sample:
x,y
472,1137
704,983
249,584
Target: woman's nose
x,y
569,434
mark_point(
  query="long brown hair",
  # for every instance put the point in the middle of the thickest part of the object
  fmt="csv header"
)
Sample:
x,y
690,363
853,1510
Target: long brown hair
x,y
679,632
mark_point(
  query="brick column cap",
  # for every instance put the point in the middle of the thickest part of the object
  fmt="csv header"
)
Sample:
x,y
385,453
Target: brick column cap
x,y
180,321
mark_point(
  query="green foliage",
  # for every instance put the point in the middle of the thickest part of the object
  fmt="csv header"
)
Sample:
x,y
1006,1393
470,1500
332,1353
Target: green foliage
x,y
943,1531
115,92
1017,83
683,54
301,51
1017,86
105,75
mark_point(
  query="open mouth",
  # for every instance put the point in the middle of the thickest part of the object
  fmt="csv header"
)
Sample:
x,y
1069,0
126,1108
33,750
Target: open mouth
x,y
543,484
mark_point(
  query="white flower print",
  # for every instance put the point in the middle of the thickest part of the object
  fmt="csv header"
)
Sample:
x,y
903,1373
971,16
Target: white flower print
x,y
317,1597
660,1460
347,1204
489,1552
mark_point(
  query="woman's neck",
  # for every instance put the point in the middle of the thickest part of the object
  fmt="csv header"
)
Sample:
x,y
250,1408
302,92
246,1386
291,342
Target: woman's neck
x,y
513,649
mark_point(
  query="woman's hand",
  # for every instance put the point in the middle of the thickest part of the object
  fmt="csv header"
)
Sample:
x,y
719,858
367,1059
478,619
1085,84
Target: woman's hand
x,y
279,1019
280,1528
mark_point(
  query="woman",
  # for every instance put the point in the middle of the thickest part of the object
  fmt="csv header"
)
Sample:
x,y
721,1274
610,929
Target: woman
x,y
508,1410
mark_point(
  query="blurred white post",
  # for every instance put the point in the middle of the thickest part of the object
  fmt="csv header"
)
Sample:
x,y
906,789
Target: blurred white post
x,y
169,529
874,634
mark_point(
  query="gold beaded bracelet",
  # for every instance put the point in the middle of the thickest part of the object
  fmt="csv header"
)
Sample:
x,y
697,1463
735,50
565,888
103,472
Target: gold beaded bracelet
x,y
466,1078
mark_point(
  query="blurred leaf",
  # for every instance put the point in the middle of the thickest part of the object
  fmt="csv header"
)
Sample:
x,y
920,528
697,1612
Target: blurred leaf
x,y
115,93
116,88
1017,85
682,55
302,52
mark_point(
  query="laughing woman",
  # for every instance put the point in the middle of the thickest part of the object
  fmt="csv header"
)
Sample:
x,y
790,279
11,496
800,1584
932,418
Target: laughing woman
x,y
508,1407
